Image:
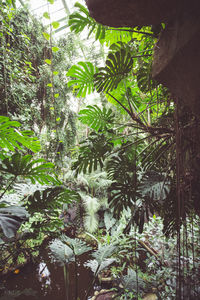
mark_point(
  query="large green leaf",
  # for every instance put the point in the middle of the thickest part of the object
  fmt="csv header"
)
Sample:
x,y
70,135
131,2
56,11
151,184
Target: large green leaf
x,y
118,65
92,153
144,78
11,218
81,19
83,74
11,138
96,118
50,198
101,258
66,249
33,169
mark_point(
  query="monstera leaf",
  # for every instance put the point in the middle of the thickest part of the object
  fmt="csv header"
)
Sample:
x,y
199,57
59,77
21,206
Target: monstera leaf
x,y
11,138
83,74
81,19
26,166
11,218
144,78
118,65
96,118
154,186
92,153
50,198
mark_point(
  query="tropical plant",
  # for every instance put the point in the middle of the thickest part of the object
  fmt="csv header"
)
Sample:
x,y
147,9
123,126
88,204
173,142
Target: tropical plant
x,y
11,219
67,250
81,19
26,166
96,118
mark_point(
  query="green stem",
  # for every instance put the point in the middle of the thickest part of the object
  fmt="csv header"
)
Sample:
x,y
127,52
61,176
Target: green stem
x,y
8,186
66,280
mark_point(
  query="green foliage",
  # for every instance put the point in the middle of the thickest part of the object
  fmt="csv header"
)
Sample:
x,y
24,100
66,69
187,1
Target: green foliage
x,y
11,219
84,83
92,153
101,259
78,246
66,249
132,282
51,198
96,118
61,252
24,165
81,19
11,138
118,65
144,78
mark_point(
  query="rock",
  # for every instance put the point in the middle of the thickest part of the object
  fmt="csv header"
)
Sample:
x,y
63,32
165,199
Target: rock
x,y
150,296
119,13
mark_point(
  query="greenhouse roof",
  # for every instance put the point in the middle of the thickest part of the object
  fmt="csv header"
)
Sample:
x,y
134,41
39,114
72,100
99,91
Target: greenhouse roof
x,y
58,11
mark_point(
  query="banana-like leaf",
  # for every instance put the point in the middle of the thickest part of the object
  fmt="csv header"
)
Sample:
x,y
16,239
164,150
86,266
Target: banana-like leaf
x,y
11,218
81,19
33,169
83,74
11,138
118,65
96,118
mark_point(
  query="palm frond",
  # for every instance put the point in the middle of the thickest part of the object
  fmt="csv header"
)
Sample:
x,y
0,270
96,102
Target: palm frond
x,y
118,65
96,118
61,252
132,282
84,81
